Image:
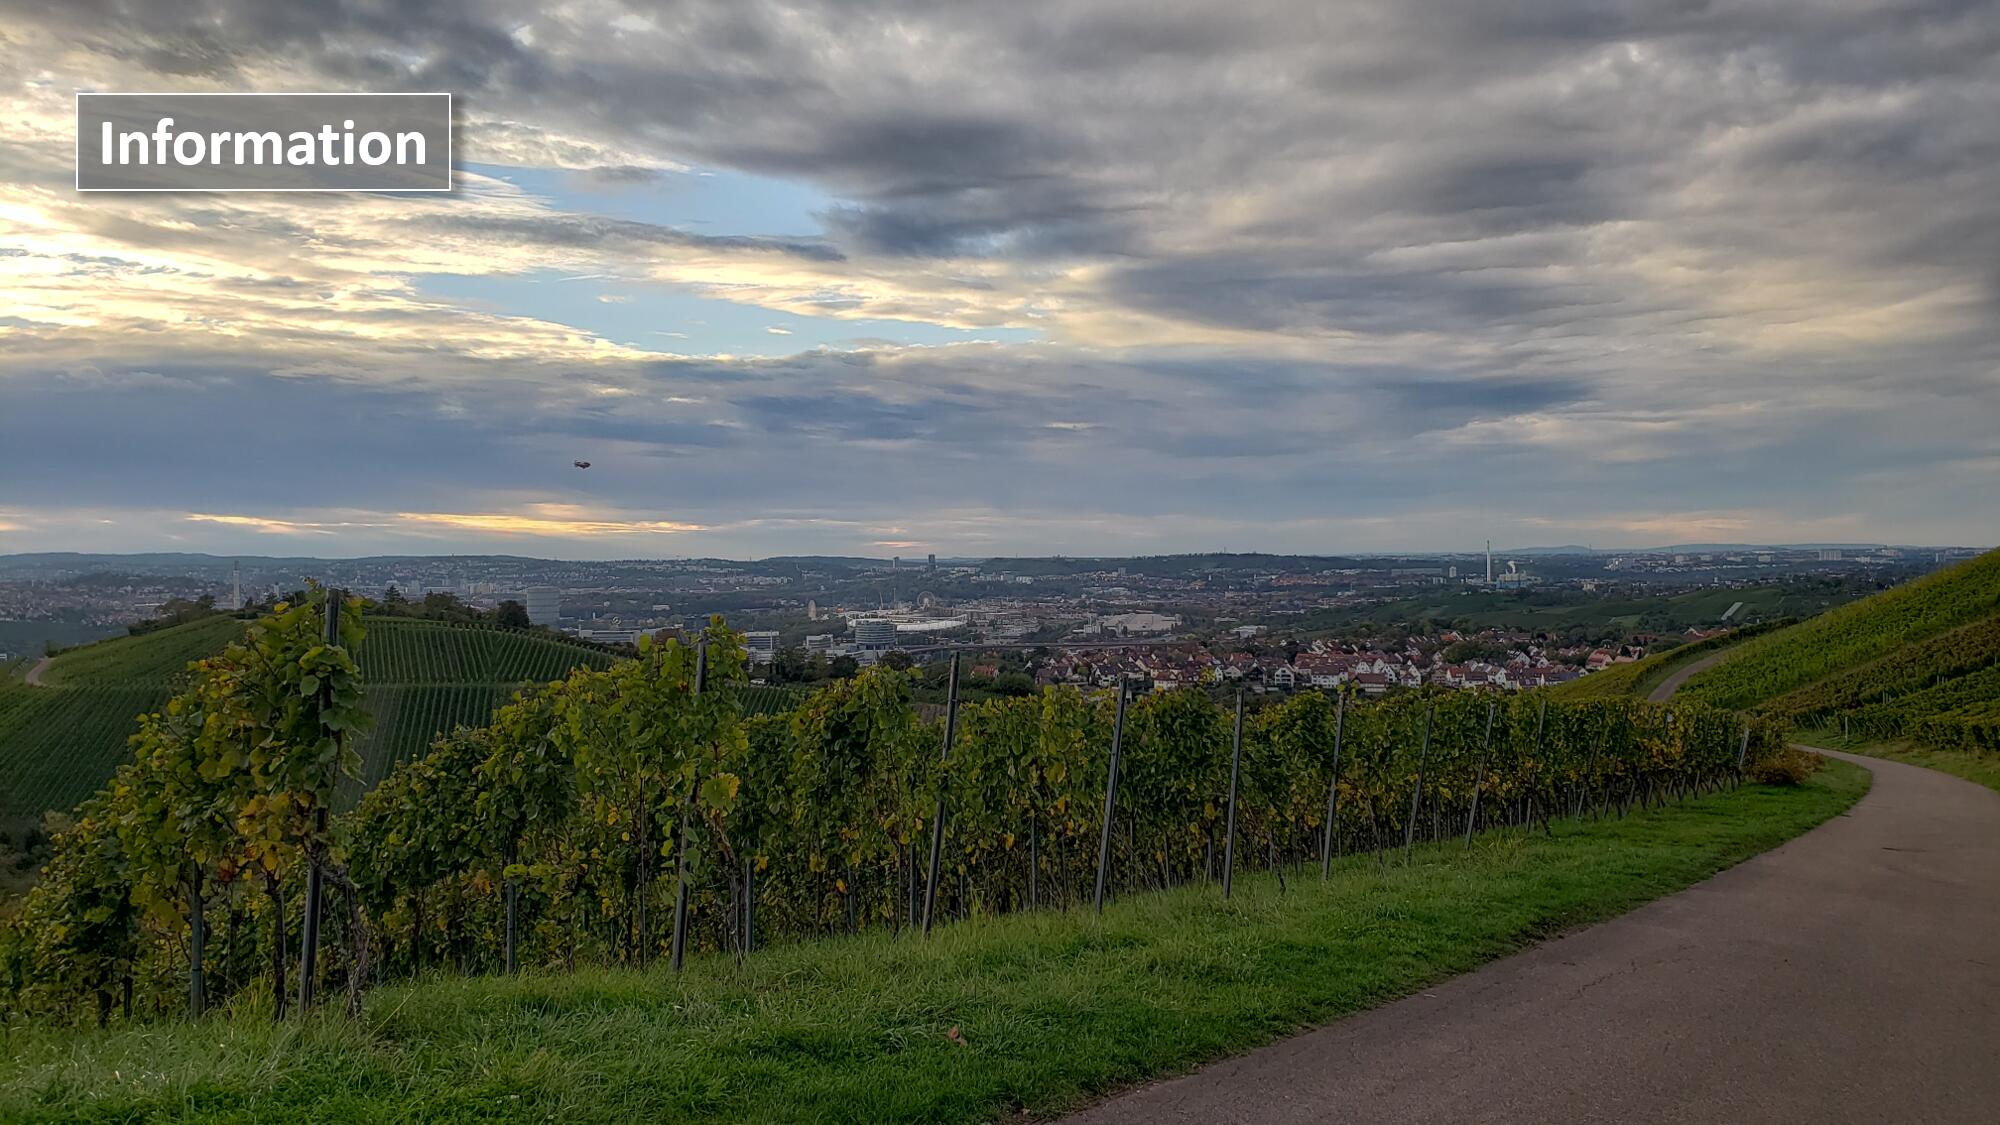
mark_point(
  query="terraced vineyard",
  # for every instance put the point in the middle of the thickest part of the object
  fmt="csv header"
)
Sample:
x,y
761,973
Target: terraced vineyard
x,y
402,651
1637,679
772,699
60,739
150,659
57,745
1844,639
1920,662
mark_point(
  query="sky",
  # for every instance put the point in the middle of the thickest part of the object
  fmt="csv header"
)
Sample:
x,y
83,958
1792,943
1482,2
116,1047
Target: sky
x,y
1081,277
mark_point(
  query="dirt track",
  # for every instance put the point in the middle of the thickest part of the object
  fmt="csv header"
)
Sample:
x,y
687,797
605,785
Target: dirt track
x,y
1680,675
1851,975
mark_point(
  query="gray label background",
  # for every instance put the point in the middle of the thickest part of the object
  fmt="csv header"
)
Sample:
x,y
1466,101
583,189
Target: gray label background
x,y
429,114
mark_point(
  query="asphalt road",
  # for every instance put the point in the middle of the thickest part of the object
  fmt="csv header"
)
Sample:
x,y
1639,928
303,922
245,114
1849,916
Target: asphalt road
x,y
1851,975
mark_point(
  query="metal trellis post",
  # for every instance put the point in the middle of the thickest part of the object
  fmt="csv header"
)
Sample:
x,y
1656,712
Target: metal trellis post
x,y
1110,797
1235,769
680,825
944,785
1333,791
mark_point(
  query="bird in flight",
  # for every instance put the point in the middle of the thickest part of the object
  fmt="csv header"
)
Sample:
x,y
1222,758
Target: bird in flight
x,y
581,464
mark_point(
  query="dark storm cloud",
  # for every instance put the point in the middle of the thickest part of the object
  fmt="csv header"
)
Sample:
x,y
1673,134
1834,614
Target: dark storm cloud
x,y
961,127
622,174
1276,293
596,233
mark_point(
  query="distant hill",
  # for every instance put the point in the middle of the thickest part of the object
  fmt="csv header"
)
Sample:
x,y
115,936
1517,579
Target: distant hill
x,y
1921,661
63,736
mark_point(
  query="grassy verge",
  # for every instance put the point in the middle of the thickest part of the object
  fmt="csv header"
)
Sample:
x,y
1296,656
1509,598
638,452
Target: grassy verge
x,y
1639,678
1651,678
1970,765
1049,1009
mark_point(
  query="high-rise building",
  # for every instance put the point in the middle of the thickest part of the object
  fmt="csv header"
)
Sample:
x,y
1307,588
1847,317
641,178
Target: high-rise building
x,y
875,633
761,645
543,603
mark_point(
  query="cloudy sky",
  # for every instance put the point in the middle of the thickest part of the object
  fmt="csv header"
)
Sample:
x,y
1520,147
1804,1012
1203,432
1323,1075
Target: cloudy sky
x,y
1085,276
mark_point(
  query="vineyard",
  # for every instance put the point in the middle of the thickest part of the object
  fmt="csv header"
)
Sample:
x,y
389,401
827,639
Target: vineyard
x,y
58,744
403,651
63,738
1638,678
149,660
1852,635
1920,662
639,811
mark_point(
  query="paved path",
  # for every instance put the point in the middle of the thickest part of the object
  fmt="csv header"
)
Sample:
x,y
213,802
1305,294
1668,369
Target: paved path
x,y
1851,975
34,676
1680,675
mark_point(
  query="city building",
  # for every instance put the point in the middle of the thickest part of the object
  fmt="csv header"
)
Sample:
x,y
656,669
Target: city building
x,y
819,642
1127,624
543,603
875,633
761,645
610,636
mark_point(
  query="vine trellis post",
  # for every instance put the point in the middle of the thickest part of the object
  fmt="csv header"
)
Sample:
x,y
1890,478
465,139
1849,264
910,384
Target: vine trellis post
x,y
309,923
1479,778
1110,797
1333,790
1417,795
679,954
1235,770
944,784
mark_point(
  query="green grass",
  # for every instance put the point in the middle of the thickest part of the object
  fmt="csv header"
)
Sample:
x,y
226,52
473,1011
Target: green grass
x,y
1638,679
1971,765
1053,1008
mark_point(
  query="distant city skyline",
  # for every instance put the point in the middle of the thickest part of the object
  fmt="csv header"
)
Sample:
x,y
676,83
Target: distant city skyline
x,y
1501,555
1093,277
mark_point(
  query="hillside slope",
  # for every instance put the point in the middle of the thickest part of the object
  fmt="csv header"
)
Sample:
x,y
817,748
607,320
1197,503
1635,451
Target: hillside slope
x,y
1921,661
61,738
1638,679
